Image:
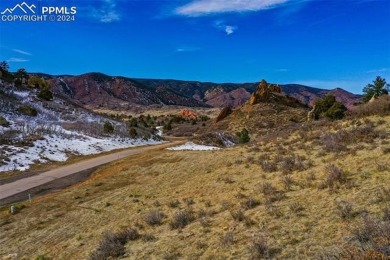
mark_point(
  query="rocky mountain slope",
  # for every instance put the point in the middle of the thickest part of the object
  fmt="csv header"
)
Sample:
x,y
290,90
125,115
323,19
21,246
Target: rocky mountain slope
x,y
99,90
96,90
35,131
236,94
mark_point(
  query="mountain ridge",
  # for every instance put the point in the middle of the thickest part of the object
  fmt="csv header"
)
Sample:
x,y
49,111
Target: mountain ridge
x,y
119,92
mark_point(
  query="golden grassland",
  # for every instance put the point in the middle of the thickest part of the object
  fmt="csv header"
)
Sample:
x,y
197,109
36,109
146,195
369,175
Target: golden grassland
x,y
272,198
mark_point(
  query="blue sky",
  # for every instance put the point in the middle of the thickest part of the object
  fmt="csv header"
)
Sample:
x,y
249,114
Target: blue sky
x,y
320,43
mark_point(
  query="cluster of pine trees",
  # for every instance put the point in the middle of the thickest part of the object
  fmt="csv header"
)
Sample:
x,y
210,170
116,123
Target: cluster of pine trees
x,y
21,78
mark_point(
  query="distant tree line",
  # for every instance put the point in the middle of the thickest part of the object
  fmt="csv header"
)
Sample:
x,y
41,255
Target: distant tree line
x,y
21,78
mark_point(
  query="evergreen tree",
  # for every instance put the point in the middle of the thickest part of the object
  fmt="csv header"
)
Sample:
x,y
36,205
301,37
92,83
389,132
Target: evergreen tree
x,y
379,88
108,128
243,136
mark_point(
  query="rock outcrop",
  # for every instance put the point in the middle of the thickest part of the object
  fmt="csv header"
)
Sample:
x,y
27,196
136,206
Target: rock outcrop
x,y
189,114
264,92
224,113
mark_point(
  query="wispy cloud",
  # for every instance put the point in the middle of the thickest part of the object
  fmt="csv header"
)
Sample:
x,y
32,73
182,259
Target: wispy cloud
x,y
378,70
21,52
187,49
107,13
208,7
17,60
228,29
282,70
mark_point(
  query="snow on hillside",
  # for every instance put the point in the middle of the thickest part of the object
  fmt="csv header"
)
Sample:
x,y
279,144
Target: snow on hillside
x,y
59,130
60,147
193,147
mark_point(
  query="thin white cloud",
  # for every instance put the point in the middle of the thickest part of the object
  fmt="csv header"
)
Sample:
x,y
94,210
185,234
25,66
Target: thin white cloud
x,y
378,70
21,52
187,49
17,60
228,29
282,70
107,13
208,7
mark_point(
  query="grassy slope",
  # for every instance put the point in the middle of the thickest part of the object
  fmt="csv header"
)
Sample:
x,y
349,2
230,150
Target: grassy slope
x,y
302,223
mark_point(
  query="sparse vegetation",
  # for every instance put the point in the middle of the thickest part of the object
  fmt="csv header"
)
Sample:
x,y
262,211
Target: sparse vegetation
x,y
243,136
335,177
330,108
259,248
112,244
181,219
4,122
296,203
27,110
108,128
154,218
344,209
45,94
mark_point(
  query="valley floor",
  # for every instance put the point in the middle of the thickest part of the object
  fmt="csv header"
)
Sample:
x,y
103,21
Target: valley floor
x,y
296,196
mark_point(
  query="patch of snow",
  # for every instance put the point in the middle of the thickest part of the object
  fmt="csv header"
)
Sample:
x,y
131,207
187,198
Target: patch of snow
x,y
22,94
60,147
159,130
190,146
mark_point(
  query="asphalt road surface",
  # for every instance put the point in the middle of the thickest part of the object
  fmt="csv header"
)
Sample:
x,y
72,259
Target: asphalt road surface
x,y
23,185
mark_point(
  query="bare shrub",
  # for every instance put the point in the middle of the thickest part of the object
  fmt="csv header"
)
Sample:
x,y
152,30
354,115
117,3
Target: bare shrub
x,y
386,150
373,239
238,215
227,180
205,221
383,195
154,218
227,239
334,176
380,106
268,166
250,203
386,213
259,248
250,159
181,219
112,244
273,210
290,163
381,167
270,193
311,176
225,205
287,182
296,207
335,142
189,201
147,237
344,209
174,203
264,157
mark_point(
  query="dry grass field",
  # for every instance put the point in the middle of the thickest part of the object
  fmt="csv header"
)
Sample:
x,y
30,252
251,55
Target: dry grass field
x,y
310,192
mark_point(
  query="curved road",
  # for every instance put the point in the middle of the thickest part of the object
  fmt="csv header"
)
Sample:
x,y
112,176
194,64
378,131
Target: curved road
x,y
19,186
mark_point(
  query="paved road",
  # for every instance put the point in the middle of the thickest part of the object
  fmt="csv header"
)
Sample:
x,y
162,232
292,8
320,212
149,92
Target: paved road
x,y
22,185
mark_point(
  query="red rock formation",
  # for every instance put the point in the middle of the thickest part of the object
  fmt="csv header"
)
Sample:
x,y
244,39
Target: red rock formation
x,y
189,114
263,92
223,114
